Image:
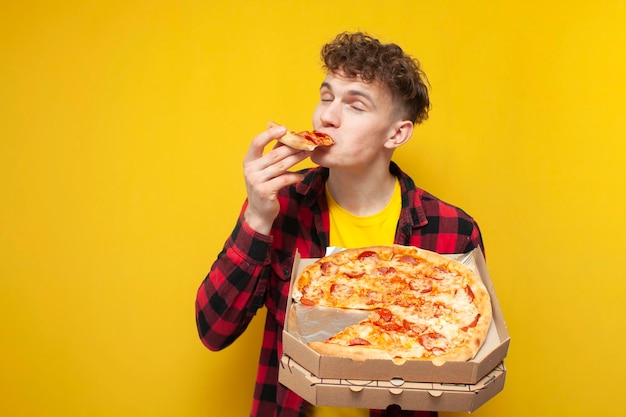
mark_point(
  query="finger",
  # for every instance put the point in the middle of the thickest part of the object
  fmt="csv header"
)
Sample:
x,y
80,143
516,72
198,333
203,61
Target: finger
x,y
277,183
261,140
282,156
275,163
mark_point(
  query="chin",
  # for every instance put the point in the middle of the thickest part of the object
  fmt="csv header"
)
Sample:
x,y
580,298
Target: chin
x,y
325,159
318,158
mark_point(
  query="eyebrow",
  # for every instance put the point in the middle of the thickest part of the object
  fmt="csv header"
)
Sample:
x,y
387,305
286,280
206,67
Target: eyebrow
x,y
352,92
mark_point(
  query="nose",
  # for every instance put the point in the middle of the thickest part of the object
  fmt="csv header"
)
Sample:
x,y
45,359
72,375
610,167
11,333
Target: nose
x,y
330,115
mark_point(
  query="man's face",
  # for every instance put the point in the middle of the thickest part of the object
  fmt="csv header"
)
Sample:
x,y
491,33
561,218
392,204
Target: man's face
x,y
359,116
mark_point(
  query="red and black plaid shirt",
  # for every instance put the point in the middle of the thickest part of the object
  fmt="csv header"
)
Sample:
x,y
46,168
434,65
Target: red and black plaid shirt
x,y
253,270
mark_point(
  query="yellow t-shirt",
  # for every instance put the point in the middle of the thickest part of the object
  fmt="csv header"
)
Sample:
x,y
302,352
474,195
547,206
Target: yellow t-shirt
x,y
350,231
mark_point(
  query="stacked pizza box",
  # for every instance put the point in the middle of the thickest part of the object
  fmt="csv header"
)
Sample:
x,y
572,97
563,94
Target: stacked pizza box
x,y
413,385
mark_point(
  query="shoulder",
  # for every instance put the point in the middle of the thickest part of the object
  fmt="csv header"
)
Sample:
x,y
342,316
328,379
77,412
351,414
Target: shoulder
x,y
431,205
452,228
436,207
438,225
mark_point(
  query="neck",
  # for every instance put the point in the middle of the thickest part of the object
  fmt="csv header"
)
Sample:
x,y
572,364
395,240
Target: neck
x,y
362,193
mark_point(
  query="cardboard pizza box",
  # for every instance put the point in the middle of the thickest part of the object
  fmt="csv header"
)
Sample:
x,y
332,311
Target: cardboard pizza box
x,y
491,354
374,394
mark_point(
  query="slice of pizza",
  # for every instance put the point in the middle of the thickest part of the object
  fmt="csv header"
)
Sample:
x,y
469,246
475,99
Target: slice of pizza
x,y
304,140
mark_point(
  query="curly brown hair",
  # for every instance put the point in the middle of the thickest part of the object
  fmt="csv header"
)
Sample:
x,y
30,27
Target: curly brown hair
x,y
358,54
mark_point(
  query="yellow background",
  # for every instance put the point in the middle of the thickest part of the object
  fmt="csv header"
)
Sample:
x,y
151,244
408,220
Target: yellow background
x,y
123,125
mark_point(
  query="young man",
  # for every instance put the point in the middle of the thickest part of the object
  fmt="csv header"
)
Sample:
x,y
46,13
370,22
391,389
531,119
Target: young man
x,y
372,96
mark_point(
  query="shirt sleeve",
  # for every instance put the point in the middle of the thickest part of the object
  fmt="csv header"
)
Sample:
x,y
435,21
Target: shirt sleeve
x,y
234,289
476,239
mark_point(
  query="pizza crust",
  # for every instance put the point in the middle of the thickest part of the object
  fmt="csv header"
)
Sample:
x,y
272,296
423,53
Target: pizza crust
x,y
296,142
356,353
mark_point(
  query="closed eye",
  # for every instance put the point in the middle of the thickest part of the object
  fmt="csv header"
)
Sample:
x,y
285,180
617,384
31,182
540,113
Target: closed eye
x,y
358,107
327,98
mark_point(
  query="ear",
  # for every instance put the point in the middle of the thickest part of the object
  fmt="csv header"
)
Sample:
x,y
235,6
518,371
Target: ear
x,y
400,132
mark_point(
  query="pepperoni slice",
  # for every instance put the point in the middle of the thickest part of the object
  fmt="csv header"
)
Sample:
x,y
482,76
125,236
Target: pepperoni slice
x,y
407,259
437,273
413,327
306,302
433,341
327,267
357,341
367,254
341,291
422,286
472,324
373,297
385,314
384,270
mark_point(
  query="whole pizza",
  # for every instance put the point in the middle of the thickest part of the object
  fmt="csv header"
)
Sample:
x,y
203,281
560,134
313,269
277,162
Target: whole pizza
x,y
423,306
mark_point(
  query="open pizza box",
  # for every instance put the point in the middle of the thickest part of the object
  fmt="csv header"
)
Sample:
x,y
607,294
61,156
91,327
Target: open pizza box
x,y
488,358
